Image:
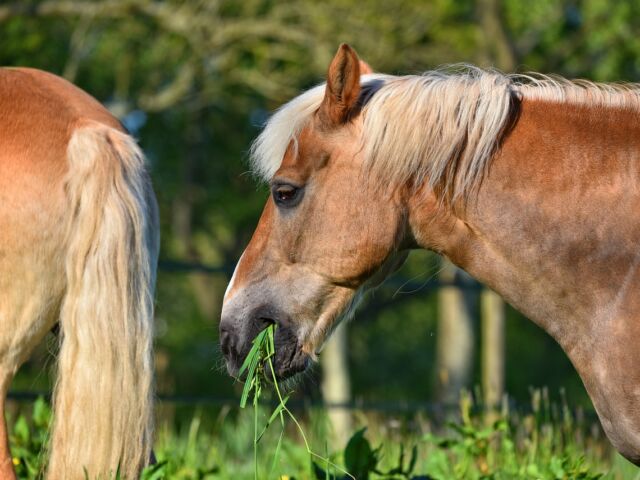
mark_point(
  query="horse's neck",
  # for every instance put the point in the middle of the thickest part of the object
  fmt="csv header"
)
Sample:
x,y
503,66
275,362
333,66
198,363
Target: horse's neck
x,y
559,215
555,226
555,229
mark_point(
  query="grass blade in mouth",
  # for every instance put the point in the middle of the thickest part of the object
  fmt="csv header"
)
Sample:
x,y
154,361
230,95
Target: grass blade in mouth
x,y
259,364
251,364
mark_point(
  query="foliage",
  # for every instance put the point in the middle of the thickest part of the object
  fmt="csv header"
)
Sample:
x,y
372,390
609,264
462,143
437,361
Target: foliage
x,y
29,440
193,80
540,444
362,461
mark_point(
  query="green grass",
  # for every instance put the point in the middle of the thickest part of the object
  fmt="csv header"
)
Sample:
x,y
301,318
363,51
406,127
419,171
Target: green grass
x,y
546,443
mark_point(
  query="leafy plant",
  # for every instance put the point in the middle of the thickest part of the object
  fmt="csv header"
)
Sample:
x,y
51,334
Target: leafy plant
x,y
29,439
361,460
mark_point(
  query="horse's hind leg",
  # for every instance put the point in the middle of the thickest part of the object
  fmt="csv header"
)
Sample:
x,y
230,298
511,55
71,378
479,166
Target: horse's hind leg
x,y
27,313
6,462
29,306
15,347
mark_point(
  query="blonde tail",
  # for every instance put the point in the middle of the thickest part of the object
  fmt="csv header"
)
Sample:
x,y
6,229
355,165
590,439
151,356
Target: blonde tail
x,y
104,392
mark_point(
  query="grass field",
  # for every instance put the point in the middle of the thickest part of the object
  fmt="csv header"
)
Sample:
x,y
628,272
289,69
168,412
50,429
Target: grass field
x,y
547,442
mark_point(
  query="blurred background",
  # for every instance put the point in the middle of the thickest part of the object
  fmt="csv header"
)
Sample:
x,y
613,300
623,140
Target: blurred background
x,y
195,80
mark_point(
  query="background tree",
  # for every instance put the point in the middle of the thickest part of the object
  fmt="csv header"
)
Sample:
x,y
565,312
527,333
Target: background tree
x,y
194,80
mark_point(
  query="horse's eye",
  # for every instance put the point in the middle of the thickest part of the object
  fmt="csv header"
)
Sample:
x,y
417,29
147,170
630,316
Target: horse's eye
x,y
286,195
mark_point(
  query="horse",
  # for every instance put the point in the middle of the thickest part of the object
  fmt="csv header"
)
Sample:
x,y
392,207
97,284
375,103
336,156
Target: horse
x,y
78,247
530,183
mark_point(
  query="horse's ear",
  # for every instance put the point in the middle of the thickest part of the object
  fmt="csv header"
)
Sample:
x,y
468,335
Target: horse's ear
x,y
365,68
343,87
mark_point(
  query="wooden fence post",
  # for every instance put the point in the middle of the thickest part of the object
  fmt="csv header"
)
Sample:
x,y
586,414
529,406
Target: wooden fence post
x,y
493,316
336,384
455,341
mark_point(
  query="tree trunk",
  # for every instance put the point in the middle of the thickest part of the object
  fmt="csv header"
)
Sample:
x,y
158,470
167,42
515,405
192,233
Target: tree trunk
x,y
498,48
336,386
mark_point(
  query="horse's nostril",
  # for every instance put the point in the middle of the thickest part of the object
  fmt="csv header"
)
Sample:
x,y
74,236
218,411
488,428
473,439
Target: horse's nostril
x,y
264,322
226,342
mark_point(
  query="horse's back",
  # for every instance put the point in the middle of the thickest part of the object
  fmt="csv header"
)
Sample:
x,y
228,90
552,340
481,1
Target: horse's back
x,y
38,113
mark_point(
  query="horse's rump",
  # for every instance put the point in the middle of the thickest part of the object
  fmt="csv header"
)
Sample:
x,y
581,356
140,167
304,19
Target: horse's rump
x,y
78,242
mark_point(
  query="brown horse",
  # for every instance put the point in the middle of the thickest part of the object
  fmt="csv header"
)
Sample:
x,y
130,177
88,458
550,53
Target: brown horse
x,y
530,184
78,245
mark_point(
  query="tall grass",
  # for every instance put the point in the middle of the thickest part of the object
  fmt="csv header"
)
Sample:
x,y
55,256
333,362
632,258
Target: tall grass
x,y
547,441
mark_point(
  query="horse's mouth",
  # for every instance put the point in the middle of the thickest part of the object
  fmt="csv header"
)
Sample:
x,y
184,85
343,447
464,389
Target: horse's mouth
x,y
289,360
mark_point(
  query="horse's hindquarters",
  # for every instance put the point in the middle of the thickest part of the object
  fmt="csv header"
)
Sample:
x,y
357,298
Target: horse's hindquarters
x,y
32,248
35,121
32,245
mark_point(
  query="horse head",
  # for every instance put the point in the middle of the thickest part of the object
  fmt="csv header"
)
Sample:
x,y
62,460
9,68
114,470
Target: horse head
x,y
327,232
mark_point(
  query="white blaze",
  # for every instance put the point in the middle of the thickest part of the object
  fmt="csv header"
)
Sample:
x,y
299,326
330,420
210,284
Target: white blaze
x,y
233,278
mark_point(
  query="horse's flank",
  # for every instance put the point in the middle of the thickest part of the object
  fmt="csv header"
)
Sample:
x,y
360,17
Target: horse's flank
x,y
443,126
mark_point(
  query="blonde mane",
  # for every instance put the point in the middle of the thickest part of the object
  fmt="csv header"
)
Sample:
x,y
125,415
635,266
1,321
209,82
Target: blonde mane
x,y
441,127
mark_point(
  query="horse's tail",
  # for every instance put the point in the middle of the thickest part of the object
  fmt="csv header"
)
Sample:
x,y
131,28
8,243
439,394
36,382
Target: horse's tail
x,y
103,396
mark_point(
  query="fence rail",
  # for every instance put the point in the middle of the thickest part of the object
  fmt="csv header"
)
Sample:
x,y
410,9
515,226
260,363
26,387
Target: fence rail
x,y
395,281
396,407
403,285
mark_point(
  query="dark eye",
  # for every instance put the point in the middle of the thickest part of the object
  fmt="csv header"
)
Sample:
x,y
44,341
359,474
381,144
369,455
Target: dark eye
x,y
286,195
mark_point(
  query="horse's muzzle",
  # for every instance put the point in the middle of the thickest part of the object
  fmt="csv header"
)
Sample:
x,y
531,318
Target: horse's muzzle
x,y
237,334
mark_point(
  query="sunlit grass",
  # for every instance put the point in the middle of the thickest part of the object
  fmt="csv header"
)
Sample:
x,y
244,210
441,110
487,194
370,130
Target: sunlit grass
x,y
547,441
